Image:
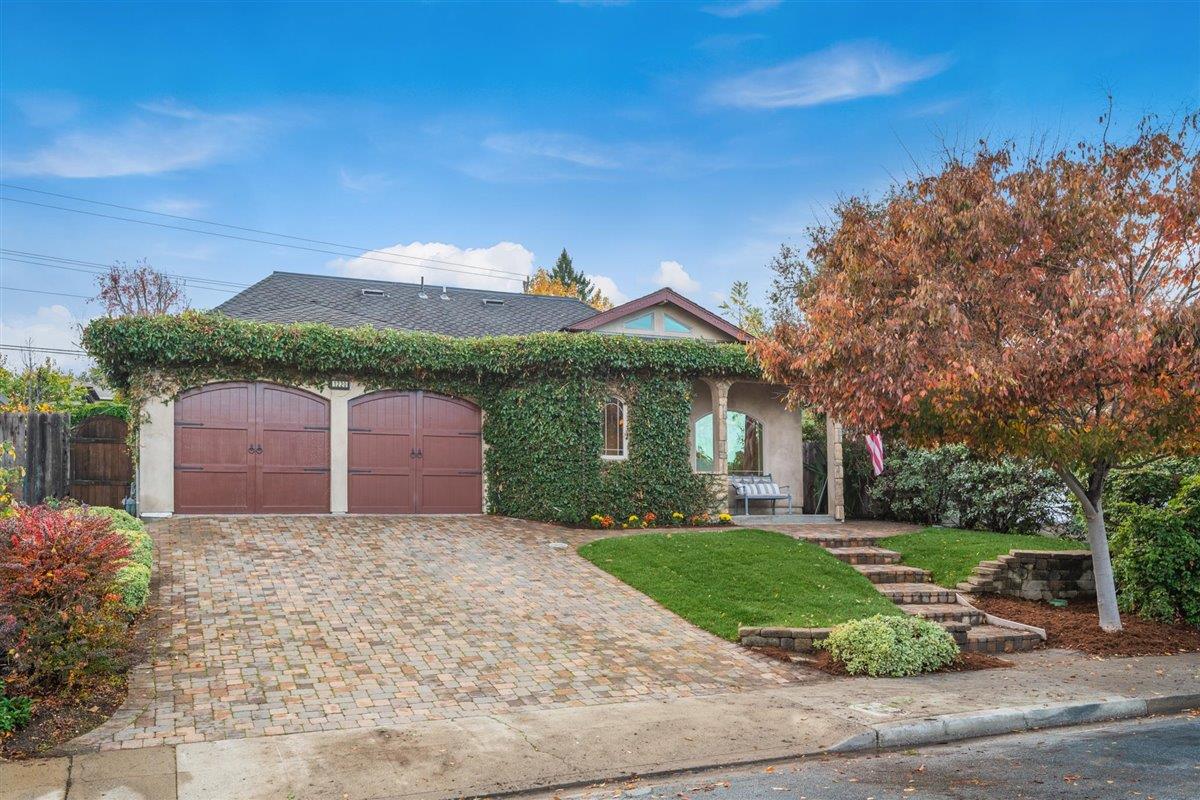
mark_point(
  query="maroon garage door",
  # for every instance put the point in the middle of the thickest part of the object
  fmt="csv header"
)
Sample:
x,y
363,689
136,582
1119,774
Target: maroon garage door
x,y
251,448
414,453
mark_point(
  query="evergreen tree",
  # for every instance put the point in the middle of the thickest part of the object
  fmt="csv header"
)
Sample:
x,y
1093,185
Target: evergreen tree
x,y
565,273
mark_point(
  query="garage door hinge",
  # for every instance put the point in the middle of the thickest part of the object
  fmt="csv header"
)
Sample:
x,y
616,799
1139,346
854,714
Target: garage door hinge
x,y
316,427
190,469
316,469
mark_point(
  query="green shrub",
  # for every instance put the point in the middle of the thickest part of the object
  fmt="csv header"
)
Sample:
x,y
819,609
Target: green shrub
x,y
132,582
948,485
120,519
1156,558
1151,485
14,711
892,646
141,546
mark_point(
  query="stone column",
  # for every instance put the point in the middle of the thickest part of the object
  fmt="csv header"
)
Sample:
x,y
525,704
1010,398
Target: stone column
x,y
720,405
833,463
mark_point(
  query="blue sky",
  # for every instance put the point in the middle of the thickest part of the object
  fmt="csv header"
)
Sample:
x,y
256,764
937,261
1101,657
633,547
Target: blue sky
x,y
660,143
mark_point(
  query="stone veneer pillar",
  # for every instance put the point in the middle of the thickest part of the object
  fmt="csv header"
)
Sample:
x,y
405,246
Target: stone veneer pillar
x,y
835,482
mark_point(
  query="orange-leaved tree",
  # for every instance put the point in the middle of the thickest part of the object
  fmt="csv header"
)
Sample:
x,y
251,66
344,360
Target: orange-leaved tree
x,y
1043,307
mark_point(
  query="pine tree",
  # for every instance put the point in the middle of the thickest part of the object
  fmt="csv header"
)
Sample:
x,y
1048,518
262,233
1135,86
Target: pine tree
x,y
565,273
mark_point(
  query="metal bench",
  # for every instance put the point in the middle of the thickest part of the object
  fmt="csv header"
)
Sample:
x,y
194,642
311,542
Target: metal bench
x,y
759,487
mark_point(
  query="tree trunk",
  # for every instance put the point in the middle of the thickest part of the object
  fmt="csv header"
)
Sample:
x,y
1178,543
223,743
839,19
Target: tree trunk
x,y
1106,587
1097,534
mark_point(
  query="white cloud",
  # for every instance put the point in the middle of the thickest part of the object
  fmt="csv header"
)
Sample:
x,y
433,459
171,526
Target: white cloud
x,y
839,73
163,137
608,288
672,274
50,326
45,110
740,9
402,263
180,206
363,181
566,147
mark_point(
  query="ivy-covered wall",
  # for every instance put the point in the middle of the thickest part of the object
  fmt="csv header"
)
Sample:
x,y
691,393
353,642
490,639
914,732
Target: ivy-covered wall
x,y
541,395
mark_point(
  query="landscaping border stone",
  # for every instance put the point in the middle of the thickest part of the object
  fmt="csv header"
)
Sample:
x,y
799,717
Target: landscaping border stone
x,y
1035,575
795,640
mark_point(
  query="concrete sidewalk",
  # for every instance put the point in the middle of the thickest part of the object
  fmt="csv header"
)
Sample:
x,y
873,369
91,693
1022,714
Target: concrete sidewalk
x,y
500,753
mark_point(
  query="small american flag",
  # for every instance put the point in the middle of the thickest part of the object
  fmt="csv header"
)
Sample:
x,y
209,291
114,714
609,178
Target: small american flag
x,y
875,446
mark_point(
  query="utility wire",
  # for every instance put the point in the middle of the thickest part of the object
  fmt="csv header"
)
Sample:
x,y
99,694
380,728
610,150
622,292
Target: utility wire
x,y
39,291
105,267
29,349
88,271
471,269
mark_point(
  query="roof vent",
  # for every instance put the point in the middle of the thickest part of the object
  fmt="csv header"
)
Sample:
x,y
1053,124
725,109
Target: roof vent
x,y
445,295
493,301
374,293
421,292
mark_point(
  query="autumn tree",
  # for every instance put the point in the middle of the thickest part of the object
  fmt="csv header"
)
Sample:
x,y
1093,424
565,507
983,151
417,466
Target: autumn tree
x,y
1042,306
566,281
139,290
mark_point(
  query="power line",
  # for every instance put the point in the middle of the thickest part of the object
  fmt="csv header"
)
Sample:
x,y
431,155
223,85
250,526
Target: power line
x,y
471,269
30,349
88,271
106,267
39,291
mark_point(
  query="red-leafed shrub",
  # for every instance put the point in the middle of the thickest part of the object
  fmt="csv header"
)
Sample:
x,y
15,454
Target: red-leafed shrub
x,y
59,617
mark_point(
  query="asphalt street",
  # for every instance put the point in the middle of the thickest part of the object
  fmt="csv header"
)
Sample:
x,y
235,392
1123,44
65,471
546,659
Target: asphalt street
x,y
1149,759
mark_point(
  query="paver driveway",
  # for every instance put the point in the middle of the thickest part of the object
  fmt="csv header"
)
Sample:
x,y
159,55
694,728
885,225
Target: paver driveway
x,y
271,625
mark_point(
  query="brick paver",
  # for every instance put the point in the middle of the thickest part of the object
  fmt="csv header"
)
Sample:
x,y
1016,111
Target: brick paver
x,y
272,625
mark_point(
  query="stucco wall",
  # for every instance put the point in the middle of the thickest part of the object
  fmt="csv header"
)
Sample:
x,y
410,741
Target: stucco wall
x,y
783,435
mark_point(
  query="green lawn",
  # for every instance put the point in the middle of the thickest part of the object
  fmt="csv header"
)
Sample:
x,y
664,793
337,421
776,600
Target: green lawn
x,y
719,580
952,554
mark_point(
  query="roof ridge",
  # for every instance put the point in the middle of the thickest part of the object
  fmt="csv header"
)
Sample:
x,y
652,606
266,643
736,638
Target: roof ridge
x,y
474,290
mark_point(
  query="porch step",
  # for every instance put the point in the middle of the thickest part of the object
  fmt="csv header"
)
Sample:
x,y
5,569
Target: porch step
x,y
916,593
994,639
893,573
865,555
945,612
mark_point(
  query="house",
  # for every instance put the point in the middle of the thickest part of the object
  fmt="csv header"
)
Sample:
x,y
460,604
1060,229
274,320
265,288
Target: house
x,y
350,445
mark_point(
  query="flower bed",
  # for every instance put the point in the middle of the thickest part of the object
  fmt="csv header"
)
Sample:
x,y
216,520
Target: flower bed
x,y
676,519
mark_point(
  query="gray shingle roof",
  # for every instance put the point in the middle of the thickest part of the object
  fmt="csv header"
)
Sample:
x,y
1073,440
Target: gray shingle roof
x,y
298,297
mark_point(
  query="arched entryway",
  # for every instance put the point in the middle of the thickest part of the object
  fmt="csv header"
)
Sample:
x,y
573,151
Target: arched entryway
x,y
414,453
245,448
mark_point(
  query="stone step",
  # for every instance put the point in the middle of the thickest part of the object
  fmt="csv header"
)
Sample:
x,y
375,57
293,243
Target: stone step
x,y
893,573
945,612
916,593
865,555
832,540
994,639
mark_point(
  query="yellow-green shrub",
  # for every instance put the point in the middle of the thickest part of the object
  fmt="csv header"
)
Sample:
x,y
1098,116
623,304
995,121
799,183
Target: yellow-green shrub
x,y
891,646
132,582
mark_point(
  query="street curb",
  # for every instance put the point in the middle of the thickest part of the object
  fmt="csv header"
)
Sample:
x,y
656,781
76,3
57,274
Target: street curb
x,y
946,728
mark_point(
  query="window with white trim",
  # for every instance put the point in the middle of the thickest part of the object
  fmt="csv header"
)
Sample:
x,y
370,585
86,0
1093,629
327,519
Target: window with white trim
x,y
616,429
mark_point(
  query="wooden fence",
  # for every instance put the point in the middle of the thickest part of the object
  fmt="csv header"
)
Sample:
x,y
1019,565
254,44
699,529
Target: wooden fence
x,y
41,442
89,462
101,468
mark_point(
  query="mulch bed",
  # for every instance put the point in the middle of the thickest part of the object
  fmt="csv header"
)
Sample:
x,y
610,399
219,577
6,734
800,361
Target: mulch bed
x,y
965,662
1076,627
58,718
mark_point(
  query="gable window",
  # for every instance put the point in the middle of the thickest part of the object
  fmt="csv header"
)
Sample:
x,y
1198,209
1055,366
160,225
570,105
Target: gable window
x,y
643,323
616,429
672,325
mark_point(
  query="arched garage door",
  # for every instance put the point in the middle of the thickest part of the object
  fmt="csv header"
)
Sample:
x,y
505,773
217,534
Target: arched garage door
x,y
251,448
414,453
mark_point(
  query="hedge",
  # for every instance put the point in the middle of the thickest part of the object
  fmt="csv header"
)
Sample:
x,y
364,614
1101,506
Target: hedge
x,y
541,395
